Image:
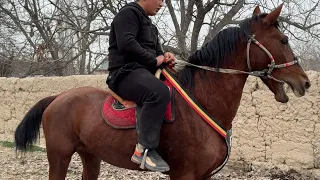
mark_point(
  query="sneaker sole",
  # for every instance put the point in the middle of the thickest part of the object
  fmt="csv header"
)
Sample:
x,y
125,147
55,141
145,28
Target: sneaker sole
x,y
135,161
158,169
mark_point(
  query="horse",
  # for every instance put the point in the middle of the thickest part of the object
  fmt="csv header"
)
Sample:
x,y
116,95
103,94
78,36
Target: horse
x,y
215,75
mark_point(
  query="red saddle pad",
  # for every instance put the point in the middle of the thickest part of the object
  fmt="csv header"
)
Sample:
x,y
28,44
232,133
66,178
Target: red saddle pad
x,y
125,118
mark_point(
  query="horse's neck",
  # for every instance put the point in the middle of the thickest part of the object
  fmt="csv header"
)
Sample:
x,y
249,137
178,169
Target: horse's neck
x,y
220,94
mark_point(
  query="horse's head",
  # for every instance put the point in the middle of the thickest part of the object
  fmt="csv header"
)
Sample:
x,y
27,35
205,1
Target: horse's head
x,y
281,65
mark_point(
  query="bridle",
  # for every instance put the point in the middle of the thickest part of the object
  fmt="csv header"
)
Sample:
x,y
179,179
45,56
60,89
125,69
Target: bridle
x,y
266,73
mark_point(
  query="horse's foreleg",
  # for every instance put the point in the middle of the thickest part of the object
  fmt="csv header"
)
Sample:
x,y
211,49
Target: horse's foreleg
x,y
91,166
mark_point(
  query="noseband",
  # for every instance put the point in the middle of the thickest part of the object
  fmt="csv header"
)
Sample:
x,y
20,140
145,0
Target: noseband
x,y
266,73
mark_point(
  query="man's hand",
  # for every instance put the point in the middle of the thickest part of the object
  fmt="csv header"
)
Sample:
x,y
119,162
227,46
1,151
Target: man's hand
x,y
169,58
160,60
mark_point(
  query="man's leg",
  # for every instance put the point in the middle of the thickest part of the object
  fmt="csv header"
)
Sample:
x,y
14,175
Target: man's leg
x,y
146,90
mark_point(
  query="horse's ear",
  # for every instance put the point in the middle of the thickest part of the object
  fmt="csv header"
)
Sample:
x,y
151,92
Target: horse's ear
x,y
256,11
272,17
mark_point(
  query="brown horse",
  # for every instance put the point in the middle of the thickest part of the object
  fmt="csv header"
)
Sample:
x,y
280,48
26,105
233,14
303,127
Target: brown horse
x,y
72,120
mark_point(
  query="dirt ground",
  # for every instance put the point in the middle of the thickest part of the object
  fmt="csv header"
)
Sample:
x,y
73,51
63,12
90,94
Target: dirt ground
x,y
34,166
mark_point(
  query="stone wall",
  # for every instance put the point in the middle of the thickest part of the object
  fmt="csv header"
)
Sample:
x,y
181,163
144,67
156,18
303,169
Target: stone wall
x,y
264,130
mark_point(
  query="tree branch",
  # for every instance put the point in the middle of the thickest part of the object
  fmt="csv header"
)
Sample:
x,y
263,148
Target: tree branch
x,y
225,21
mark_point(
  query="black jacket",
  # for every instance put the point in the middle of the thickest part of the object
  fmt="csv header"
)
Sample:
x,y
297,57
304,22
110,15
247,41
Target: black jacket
x,y
133,40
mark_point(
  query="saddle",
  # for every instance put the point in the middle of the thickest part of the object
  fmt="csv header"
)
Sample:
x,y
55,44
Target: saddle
x,y
123,114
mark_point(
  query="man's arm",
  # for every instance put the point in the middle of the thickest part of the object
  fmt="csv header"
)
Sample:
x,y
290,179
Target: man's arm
x,y
159,50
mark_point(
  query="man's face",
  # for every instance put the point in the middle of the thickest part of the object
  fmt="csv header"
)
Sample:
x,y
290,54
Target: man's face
x,y
153,6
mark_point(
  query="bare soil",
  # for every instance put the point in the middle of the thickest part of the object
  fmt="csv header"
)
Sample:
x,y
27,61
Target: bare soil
x,y
34,166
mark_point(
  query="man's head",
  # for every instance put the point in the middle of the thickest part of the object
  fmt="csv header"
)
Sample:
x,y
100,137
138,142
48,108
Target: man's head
x,y
151,7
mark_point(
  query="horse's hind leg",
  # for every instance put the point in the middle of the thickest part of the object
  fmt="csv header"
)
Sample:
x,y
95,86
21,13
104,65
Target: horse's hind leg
x,y
59,159
59,152
91,165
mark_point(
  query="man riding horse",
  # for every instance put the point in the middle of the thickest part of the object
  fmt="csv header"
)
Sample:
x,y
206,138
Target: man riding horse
x,y
135,54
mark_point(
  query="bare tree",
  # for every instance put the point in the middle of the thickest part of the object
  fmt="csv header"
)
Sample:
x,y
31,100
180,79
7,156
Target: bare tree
x,y
59,35
63,37
309,54
197,22
192,20
12,51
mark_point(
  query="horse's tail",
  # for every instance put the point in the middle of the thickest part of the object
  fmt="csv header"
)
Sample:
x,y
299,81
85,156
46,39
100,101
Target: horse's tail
x,y
28,130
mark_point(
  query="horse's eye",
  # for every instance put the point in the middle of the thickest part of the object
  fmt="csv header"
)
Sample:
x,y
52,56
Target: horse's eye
x,y
284,41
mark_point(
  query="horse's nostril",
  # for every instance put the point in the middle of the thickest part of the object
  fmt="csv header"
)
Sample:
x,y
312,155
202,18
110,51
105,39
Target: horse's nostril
x,y
307,85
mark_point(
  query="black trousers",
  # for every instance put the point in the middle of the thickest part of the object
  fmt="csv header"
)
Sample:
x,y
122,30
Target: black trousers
x,y
153,95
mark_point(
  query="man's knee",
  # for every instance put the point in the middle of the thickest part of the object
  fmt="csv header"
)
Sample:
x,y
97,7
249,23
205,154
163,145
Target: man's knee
x,y
164,93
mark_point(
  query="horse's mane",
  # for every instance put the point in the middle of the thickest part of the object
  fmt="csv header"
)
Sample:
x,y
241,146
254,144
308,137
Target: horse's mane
x,y
215,52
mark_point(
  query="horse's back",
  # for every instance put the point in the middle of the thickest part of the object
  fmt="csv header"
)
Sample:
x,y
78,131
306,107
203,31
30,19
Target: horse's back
x,y
80,94
66,101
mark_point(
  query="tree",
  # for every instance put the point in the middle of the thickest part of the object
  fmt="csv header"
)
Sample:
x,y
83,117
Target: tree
x,y
63,37
60,33
309,54
192,18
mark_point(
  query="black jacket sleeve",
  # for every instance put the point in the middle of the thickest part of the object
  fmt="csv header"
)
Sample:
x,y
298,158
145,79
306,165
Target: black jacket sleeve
x,y
126,27
159,50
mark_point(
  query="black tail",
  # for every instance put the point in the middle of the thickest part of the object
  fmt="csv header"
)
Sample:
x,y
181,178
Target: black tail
x,y
28,130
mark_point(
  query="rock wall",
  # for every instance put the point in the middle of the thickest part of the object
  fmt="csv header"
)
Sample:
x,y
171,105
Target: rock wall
x,y
263,130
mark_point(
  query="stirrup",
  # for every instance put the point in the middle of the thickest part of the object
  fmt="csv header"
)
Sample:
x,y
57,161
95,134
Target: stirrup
x,y
144,158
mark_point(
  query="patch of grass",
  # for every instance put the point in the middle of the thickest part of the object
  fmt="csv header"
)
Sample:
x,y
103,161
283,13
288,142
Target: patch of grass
x,y
9,144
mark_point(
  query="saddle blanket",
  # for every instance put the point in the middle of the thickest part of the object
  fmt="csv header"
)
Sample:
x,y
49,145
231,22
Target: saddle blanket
x,y
120,117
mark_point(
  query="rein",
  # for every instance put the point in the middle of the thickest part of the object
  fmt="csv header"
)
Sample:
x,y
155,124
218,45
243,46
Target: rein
x,y
266,73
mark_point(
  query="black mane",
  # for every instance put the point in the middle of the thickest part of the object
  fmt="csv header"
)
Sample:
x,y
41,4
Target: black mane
x,y
215,52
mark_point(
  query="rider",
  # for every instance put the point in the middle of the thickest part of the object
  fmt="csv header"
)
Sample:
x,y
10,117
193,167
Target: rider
x,y
134,56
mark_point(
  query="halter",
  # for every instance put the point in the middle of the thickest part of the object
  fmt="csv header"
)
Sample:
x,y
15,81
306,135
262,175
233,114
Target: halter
x,y
266,73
